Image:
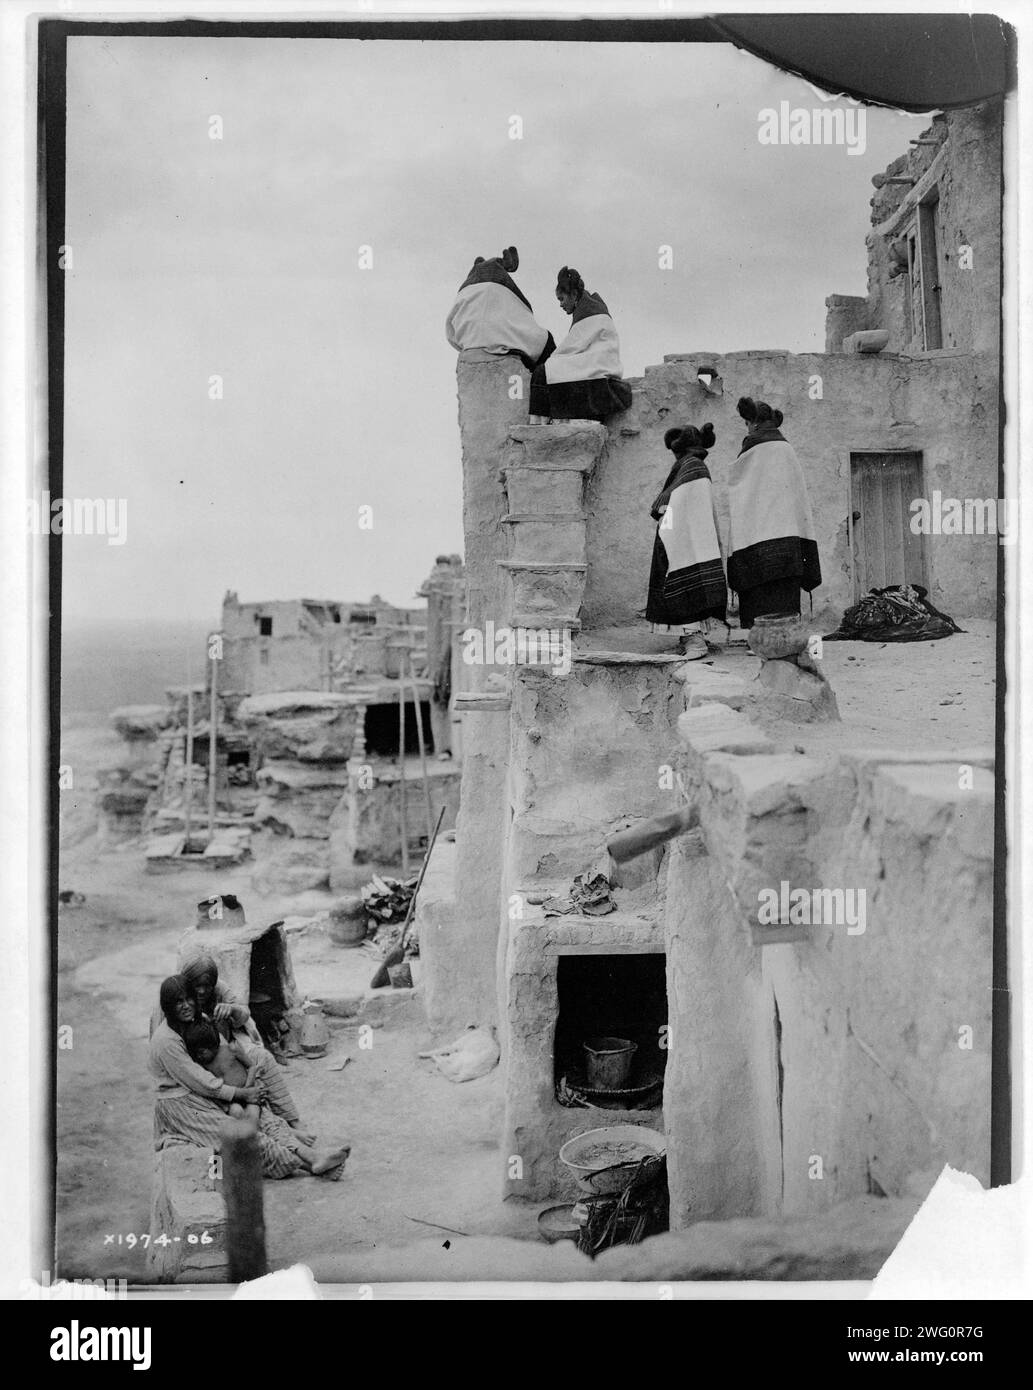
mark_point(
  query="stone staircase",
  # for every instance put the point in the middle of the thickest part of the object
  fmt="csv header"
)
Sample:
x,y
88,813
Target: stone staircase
x,y
545,471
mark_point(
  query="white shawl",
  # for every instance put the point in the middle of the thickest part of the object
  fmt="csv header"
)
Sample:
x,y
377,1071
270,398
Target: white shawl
x,y
767,497
490,317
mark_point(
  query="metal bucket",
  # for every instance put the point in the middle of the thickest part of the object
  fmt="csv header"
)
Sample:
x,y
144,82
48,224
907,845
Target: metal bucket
x,y
608,1062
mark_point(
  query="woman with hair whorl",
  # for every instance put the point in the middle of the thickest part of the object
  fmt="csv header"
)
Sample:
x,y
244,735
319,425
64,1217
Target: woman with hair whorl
x,y
581,380
772,551
491,314
687,580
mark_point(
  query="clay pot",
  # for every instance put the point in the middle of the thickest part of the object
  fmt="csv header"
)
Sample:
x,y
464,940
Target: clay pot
x,y
348,922
775,638
315,1033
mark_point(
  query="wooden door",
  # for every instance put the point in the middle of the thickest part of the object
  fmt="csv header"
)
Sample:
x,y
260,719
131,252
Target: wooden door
x,y
885,550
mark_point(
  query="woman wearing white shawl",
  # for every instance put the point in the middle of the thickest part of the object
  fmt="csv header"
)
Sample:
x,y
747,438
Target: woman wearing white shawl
x,y
581,380
773,555
491,314
687,579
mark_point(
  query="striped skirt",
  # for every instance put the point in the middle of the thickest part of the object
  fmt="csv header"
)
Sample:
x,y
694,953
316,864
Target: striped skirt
x,y
197,1120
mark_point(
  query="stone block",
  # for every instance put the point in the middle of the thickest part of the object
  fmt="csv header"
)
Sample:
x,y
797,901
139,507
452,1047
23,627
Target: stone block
x,y
711,727
704,685
785,688
301,726
544,490
188,1216
542,596
556,446
548,541
299,798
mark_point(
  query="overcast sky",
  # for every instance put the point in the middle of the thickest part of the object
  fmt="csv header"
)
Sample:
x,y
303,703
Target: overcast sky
x,y
239,257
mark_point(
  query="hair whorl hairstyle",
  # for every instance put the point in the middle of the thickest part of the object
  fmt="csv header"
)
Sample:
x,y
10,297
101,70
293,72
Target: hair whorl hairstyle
x,y
568,281
682,438
510,259
758,412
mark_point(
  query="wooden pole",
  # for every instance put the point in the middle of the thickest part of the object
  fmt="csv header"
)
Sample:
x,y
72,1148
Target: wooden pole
x,y
213,762
651,834
189,789
401,770
242,1193
423,751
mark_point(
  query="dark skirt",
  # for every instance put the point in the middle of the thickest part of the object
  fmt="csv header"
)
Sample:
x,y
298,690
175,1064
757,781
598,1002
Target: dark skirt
x,y
776,598
597,399
690,596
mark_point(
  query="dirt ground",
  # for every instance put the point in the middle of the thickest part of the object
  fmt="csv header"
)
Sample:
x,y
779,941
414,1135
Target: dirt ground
x,y
423,1149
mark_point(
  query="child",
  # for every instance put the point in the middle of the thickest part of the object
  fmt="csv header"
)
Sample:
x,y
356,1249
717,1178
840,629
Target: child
x,y
234,1062
238,1063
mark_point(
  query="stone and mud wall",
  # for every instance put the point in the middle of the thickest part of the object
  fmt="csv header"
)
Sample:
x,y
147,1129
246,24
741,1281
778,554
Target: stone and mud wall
x,y
942,406
804,1070
856,1058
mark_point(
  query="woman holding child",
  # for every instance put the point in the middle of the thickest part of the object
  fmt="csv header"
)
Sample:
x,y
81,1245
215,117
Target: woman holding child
x,y
202,1077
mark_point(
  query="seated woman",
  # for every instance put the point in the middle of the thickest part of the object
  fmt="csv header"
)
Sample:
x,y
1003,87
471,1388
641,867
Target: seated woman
x,y
238,1063
687,580
581,380
773,555
490,313
189,1103
216,1000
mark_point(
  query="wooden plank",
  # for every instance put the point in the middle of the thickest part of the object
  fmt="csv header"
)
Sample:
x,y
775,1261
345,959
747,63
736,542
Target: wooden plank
x,y
914,546
930,264
875,565
893,534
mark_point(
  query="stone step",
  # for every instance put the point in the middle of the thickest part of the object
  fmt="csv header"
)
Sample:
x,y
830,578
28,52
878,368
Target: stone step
x,y
513,517
548,540
561,621
536,491
544,566
539,592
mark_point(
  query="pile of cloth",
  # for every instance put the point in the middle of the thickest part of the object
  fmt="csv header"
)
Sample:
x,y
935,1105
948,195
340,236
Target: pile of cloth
x,y
590,894
898,613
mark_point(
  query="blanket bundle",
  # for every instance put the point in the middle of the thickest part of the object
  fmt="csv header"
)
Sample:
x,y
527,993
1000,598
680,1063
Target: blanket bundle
x,y
771,529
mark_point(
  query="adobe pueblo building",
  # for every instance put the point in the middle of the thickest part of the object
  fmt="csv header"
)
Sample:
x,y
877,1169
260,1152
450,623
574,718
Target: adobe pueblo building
x,y
793,1064
313,701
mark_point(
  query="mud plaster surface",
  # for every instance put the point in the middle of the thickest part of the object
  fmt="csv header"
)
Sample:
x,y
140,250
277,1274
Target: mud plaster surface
x,y
421,1146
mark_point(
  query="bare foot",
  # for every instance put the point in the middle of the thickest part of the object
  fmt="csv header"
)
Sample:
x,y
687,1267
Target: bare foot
x,y
303,1136
329,1161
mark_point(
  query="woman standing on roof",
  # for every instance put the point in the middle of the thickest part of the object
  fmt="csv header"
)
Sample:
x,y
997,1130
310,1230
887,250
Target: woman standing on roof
x,y
687,580
773,555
